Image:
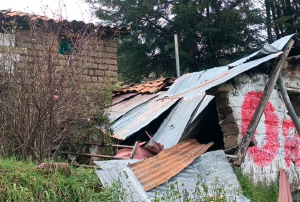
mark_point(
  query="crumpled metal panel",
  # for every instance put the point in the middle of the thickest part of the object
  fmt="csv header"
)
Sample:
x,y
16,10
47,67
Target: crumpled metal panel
x,y
215,172
188,81
122,174
120,98
284,188
113,163
206,100
169,162
170,131
118,110
225,76
140,117
267,49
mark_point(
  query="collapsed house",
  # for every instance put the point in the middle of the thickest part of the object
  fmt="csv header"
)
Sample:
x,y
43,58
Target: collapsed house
x,y
217,105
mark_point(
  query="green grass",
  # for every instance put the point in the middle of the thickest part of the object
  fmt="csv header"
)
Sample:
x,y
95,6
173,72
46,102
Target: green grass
x,y
257,193
20,181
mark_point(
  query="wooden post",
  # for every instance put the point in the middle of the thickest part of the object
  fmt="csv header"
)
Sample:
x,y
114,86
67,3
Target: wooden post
x,y
243,147
135,147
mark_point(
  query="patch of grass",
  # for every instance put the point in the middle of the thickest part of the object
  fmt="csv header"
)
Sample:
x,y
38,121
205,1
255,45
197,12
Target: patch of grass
x,y
20,181
257,192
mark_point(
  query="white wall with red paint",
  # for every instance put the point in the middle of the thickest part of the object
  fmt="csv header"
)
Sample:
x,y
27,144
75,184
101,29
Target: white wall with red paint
x,y
278,143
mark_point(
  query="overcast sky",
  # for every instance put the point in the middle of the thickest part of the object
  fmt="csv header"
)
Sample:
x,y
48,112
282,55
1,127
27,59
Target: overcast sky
x,y
71,9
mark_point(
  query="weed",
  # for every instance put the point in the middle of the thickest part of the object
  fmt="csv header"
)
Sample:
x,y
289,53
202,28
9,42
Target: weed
x,y
257,192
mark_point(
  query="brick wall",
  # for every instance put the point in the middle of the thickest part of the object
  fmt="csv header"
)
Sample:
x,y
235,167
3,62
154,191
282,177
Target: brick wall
x,y
97,61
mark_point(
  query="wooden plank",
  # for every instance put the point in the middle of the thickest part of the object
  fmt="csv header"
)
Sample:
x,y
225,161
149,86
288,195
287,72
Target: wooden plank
x,y
136,146
90,155
109,145
243,147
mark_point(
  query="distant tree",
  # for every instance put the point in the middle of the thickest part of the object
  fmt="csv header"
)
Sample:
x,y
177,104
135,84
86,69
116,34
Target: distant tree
x,y
211,33
282,18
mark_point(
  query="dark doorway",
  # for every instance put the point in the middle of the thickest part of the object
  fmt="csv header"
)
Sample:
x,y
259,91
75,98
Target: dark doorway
x,y
206,128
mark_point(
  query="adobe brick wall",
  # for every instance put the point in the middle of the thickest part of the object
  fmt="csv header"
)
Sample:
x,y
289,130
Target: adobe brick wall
x,y
97,62
278,142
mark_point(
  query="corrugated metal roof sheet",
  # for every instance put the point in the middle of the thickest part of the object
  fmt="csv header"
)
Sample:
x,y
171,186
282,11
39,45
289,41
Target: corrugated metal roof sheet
x,y
190,86
120,98
206,100
147,87
267,49
220,77
113,163
216,173
169,162
170,131
187,81
140,117
118,110
122,174
8,15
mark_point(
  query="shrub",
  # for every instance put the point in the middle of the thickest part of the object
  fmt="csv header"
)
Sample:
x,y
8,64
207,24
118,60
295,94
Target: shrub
x,y
46,96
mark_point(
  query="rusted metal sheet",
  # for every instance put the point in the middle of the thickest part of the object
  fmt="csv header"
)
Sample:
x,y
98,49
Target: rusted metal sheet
x,y
120,98
118,110
169,162
140,117
285,194
215,172
170,131
147,87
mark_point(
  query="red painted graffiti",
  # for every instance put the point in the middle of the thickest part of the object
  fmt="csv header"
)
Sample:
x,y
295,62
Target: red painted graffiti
x,y
265,154
291,143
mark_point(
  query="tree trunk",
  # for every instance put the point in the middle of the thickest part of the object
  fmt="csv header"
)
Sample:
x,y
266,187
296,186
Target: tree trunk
x,y
268,21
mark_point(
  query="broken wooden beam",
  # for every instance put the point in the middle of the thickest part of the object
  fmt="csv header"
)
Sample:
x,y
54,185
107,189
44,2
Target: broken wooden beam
x,y
109,145
90,155
248,136
136,146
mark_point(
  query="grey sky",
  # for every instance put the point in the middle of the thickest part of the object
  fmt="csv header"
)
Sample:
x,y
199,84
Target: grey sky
x,y
70,9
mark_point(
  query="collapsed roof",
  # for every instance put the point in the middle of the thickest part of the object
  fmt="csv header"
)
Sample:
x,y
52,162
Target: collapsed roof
x,y
186,99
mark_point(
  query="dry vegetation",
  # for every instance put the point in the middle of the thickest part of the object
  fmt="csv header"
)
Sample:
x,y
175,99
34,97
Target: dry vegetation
x,y
45,99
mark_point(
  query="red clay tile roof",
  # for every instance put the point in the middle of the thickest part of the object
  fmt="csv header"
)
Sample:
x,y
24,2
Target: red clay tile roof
x,y
22,18
146,87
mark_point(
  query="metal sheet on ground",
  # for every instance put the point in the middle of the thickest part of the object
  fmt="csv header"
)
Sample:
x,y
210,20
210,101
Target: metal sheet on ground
x,y
122,174
169,162
113,163
214,171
